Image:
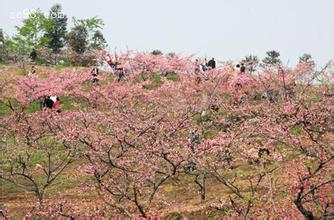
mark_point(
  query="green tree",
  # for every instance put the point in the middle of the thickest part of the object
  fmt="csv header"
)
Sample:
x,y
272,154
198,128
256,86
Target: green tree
x,y
86,34
93,26
31,34
306,59
251,62
98,41
171,54
33,30
78,38
156,52
17,49
272,58
57,31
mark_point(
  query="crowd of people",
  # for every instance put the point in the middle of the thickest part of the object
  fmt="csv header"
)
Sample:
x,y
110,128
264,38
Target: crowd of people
x,y
201,67
241,68
117,68
211,64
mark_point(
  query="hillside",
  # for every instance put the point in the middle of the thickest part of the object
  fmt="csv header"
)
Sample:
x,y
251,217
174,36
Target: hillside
x,y
165,141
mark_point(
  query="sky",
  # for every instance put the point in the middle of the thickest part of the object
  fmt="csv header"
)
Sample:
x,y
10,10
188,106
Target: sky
x,y
224,29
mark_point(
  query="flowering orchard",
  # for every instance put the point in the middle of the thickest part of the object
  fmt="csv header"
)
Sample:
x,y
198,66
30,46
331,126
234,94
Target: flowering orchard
x,y
240,146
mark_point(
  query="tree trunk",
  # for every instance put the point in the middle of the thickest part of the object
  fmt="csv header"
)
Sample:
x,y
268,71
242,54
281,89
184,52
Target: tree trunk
x,y
307,214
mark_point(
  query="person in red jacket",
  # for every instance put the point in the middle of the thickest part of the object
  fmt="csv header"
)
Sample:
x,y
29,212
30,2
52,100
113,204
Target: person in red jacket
x,y
56,105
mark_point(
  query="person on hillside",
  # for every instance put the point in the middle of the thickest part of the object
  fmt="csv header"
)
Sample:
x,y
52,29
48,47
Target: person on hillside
x,y
290,90
237,68
47,103
120,73
212,63
119,70
194,140
204,66
95,73
32,71
263,151
56,105
270,94
197,67
242,68
33,55
110,61
53,98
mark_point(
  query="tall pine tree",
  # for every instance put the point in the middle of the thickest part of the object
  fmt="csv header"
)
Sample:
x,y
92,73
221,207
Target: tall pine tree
x,y
57,31
272,58
98,41
77,38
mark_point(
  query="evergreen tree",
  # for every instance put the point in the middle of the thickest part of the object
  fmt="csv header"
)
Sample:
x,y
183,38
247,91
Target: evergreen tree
x,y
306,59
86,34
156,52
272,58
251,62
57,31
98,41
78,38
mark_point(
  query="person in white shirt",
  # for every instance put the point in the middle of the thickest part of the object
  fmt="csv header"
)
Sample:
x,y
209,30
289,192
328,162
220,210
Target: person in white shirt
x,y
53,98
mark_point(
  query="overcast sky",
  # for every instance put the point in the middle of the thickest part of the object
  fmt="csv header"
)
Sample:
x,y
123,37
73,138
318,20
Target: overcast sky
x,y
224,29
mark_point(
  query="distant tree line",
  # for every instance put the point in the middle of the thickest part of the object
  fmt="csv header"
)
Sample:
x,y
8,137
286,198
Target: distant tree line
x,y
50,35
56,44
272,59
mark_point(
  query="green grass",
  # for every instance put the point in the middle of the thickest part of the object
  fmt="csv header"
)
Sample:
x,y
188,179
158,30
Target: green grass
x,y
173,77
21,72
61,66
4,108
58,68
66,180
38,157
33,107
7,188
61,184
67,102
203,117
71,103
211,133
296,130
156,82
156,78
110,76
